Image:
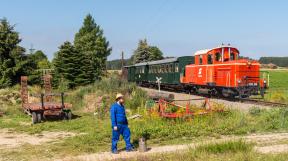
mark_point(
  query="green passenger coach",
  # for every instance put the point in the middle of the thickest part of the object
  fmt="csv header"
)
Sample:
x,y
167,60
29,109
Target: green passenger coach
x,y
168,70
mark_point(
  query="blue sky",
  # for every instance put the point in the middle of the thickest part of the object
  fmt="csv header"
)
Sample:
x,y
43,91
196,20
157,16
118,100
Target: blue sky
x,y
177,27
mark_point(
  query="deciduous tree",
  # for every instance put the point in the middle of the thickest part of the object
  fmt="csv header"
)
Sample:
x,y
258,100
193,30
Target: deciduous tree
x,y
145,53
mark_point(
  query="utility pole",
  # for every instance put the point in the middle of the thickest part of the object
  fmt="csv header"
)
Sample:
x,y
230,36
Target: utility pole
x,y
122,59
31,49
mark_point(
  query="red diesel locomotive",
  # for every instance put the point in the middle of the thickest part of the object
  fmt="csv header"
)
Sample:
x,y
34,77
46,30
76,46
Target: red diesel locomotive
x,y
221,71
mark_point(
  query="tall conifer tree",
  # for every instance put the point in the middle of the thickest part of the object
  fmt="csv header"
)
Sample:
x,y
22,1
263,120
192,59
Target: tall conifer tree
x,y
94,50
13,61
67,65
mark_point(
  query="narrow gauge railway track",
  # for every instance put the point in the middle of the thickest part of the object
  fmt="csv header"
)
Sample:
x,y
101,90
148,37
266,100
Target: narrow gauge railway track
x,y
263,103
243,100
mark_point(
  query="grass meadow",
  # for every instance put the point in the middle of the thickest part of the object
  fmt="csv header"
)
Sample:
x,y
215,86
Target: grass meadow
x,y
237,150
91,105
278,90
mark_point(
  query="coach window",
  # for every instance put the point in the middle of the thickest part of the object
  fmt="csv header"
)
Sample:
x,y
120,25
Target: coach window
x,y
200,59
176,67
210,59
218,57
170,68
167,68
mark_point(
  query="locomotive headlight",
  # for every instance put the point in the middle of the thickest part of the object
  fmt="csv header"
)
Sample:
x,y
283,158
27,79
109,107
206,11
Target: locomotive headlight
x,y
239,81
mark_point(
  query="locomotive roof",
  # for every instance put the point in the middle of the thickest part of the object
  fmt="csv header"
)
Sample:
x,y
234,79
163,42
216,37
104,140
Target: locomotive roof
x,y
205,51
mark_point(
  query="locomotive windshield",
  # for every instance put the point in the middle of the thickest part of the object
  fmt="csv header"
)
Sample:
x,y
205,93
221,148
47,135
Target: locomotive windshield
x,y
233,56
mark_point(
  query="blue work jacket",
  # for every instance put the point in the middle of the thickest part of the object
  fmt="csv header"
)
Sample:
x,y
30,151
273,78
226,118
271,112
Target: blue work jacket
x,y
118,115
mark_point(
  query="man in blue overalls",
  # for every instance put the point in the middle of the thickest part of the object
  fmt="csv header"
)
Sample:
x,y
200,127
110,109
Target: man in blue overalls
x,y
119,124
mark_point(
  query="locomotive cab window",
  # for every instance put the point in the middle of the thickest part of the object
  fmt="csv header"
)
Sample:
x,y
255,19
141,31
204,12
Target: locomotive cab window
x,y
232,56
210,59
200,59
218,57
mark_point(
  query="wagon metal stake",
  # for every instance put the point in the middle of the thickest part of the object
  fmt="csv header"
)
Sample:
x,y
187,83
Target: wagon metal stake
x,y
62,100
42,100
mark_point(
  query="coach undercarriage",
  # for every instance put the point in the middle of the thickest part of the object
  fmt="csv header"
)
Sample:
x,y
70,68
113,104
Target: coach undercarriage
x,y
227,92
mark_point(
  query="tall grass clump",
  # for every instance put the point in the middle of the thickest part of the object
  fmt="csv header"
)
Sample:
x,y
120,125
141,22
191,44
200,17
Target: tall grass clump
x,y
108,88
224,147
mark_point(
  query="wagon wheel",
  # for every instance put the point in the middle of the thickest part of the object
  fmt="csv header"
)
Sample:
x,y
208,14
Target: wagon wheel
x,y
63,115
44,118
69,115
39,117
34,118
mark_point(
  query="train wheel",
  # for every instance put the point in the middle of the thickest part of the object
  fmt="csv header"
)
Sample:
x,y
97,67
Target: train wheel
x,y
194,90
227,93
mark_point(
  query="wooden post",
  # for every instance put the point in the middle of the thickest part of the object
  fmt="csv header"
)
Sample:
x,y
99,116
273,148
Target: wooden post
x,y
24,90
48,87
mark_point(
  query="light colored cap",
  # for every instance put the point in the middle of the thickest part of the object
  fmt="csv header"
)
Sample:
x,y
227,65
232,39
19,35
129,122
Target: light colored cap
x,y
119,95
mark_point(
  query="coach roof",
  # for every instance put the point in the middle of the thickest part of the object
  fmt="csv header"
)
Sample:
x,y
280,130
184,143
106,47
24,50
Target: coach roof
x,y
163,61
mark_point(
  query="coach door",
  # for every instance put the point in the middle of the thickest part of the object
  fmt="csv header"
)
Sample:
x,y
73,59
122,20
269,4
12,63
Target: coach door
x,y
132,74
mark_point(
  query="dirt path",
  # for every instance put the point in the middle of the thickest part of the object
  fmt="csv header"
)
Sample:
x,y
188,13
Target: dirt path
x,y
228,104
261,140
10,139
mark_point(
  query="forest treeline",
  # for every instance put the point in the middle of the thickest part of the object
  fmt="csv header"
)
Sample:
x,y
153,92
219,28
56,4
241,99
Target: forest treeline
x,y
279,61
80,62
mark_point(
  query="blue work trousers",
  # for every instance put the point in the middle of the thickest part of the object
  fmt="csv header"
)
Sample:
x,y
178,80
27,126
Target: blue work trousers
x,y
125,132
